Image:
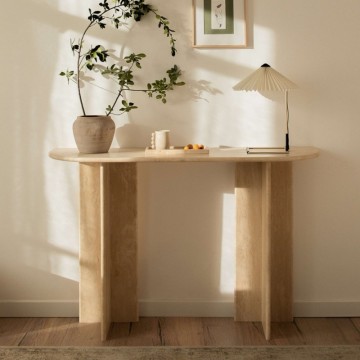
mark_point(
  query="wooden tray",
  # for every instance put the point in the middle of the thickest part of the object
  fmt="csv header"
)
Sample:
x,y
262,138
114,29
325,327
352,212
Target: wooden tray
x,y
175,150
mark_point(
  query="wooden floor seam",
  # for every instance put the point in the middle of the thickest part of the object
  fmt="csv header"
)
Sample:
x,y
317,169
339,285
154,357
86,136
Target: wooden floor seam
x,y
176,331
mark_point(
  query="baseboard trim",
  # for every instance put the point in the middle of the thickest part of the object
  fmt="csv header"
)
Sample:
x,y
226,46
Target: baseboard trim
x,y
24,308
146,308
186,308
326,309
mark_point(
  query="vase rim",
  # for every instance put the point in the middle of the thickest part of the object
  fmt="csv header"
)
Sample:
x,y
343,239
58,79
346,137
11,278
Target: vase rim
x,y
86,116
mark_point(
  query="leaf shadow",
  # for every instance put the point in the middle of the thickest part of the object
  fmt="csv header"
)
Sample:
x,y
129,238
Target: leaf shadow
x,y
198,89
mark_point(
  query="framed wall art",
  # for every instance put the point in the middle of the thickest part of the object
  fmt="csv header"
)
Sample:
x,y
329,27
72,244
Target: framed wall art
x,y
219,24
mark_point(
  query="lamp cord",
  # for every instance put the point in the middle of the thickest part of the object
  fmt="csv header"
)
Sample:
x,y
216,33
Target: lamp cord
x,y
287,141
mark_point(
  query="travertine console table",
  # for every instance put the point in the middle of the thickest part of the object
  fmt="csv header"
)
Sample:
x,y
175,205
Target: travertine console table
x,y
108,232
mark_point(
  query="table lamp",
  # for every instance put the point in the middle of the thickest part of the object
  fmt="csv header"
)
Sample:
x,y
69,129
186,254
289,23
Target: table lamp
x,y
267,79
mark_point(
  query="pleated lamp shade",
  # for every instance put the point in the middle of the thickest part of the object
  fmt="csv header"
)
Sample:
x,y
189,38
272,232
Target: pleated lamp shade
x,y
266,79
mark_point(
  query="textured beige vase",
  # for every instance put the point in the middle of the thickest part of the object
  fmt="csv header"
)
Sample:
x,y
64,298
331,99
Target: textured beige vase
x,y
93,134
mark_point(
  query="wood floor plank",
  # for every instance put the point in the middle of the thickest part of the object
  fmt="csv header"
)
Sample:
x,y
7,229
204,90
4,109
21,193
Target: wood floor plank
x,y
155,331
46,331
225,332
327,331
351,335
142,333
356,323
220,331
13,330
178,331
252,334
82,334
286,334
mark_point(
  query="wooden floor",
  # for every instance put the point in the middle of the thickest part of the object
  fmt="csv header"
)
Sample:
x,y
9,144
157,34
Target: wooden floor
x,y
178,332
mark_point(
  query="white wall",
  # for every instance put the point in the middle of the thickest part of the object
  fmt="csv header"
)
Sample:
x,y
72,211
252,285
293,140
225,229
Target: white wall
x,y
186,212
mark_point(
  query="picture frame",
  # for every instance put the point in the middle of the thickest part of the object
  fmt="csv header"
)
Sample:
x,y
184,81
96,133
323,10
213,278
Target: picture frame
x,y
219,24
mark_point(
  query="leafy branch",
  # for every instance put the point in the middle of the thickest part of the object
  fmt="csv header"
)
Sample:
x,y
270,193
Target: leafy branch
x,y
117,14
160,87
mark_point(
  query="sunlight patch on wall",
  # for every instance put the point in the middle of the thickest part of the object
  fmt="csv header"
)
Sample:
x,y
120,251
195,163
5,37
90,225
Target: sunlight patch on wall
x,y
75,8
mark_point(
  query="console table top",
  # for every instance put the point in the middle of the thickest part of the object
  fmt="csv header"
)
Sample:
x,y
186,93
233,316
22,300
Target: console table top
x,y
222,154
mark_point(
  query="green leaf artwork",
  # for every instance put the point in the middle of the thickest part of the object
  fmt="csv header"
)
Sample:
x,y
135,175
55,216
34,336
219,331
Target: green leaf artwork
x,y
218,17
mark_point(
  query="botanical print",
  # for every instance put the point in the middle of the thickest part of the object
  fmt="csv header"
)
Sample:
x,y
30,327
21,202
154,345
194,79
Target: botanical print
x,y
218,16
219,24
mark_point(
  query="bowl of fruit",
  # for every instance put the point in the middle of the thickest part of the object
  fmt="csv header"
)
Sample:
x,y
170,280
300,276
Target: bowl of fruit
x,y
195,149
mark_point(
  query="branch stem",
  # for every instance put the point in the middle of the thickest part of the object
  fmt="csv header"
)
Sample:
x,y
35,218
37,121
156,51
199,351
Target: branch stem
x,y
80,56
116,100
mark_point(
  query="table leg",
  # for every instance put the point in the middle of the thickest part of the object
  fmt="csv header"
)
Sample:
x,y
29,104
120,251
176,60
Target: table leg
x,y
123,222
264,243
266,249
108,244
281,242
90,287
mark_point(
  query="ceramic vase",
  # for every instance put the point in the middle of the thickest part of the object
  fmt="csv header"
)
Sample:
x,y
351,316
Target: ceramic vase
x,y
93,134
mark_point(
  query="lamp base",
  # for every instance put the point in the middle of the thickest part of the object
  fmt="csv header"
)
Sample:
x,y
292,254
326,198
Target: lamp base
x,y
266,150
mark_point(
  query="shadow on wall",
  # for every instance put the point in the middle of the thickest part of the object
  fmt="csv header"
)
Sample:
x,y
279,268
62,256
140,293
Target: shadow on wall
x,y
33,230
38,201
200,91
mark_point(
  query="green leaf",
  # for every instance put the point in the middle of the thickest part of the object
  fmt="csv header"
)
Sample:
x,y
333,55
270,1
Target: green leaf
x,y
95,49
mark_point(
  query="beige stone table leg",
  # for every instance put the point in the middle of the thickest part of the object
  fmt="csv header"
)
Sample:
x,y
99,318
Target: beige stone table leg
x,y
263,289
108,244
